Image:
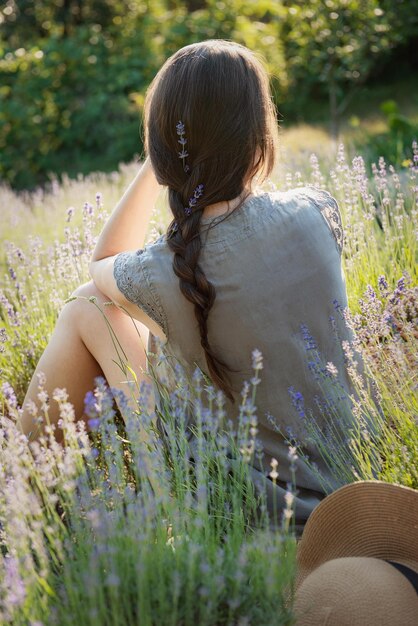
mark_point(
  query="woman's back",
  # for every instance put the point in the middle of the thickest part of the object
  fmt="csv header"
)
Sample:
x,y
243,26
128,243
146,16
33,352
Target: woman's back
x,y
276,266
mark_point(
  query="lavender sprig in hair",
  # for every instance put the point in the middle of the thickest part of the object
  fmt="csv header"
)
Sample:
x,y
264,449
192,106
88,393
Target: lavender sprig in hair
x,y
182,141
198,193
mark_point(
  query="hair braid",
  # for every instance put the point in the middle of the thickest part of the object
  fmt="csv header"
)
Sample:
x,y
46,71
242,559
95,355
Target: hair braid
x,y
186,244
209,119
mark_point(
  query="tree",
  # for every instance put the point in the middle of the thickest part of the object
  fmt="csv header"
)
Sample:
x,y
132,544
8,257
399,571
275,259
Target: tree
x,y
69,86
73,75
335,43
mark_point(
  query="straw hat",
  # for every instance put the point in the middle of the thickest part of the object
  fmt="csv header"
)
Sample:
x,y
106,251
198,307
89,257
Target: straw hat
x,y
343,576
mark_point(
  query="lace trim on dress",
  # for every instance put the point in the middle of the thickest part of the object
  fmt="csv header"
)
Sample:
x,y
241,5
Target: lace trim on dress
x,y
328,207
133,282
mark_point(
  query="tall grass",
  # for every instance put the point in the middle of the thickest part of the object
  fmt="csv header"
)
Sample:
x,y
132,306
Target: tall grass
x,y
114,530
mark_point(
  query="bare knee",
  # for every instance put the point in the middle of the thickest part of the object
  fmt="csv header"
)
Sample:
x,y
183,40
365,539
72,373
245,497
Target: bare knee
x,y
89,290
88,309
83,306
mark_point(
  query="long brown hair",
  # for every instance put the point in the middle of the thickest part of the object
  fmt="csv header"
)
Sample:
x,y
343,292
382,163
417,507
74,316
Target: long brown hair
x,y
220,92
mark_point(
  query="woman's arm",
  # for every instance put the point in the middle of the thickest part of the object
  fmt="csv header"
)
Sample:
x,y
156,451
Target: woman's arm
x,y
125,230
127,226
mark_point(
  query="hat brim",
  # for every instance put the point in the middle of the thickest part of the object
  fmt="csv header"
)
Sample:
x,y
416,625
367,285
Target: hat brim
x,y
366,518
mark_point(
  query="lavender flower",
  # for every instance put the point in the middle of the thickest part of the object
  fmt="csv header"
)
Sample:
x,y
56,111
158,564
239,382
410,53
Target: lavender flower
x,y
9,395
400,287
297,401
11,313
257,359
310,343
292,454
182,141
331,369
274,474
198,192
90,405
383,286
88,209
94,423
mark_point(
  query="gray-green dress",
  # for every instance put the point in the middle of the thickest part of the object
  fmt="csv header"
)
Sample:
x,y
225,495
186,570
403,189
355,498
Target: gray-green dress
x,y
276,267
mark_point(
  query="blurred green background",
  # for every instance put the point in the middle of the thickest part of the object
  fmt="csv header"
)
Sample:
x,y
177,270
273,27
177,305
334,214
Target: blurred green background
x,y
73,74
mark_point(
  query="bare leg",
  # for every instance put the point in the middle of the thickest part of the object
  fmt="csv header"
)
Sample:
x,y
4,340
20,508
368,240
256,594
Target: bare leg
x,y
81,348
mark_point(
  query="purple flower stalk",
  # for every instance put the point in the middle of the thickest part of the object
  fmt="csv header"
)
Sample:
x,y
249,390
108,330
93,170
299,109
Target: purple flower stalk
x,y
309,341
198,192
297,401
90,406
12,273
382,283
401,284
182,141
9,395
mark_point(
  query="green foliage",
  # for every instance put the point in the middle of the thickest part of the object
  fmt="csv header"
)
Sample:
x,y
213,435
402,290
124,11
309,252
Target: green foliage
x,y
334,45
395,144
69,102
73,73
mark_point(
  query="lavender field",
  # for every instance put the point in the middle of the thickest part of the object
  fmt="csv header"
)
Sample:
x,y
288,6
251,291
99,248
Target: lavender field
x,y
113,530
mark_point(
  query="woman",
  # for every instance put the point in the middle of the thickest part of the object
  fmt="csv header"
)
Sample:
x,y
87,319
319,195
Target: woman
x,y
235,272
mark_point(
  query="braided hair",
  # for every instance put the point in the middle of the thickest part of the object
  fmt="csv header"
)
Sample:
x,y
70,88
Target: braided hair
x,y
210,126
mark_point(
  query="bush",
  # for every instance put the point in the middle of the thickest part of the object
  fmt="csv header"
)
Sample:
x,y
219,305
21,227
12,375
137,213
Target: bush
x,y
395,145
